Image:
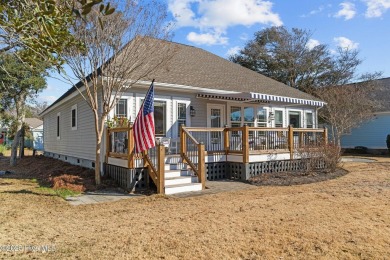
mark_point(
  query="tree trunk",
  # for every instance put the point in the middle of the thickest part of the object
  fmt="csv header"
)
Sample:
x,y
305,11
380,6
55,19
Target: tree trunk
x,y
14,147
20,114
21,150
99,128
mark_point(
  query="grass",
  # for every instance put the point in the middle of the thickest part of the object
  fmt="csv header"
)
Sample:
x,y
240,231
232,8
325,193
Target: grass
x,y
343,218
63,193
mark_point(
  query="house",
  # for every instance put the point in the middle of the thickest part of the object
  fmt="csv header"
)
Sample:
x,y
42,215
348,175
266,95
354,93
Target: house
x,y
372,134
236,113
36,128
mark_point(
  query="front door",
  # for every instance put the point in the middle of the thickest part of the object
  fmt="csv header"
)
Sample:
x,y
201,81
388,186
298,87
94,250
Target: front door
x,y
294,119
215,119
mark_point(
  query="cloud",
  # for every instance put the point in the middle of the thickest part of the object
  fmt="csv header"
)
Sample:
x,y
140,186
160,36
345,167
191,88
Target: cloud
x,y
312,43
320,9
376,8
345,43
48,99
233,51
347,11
214,17
206,38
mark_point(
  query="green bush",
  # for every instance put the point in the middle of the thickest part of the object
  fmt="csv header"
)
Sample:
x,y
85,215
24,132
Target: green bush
x,y
3,148
388,142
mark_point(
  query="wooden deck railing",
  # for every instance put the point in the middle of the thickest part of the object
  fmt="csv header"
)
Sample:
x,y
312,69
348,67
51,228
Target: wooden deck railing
x,y
193,153
247,140
120,144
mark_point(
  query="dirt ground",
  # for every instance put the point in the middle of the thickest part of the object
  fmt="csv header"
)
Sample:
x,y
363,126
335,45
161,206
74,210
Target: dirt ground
x,y
345,218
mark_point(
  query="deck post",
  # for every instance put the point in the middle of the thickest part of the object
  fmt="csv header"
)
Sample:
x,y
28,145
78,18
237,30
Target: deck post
x,y
183,144
325,136
130,147
147,166
161,169
245,144
291,141
226,141
201,165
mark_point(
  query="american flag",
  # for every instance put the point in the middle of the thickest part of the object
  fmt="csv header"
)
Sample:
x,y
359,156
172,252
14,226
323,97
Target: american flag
x,y
144,124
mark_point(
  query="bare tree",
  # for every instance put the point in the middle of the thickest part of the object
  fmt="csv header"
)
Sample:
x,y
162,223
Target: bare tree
x,y
349,106
119,50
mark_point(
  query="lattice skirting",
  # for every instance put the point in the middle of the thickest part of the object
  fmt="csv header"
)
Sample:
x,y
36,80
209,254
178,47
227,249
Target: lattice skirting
x,y
240,171
128,179
216,171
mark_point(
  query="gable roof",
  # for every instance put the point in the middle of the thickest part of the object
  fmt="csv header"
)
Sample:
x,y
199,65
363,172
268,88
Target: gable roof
x,y
195,67
192,66
33,122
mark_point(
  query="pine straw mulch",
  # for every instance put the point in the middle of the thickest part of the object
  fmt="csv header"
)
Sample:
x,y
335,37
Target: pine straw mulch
x,y
53,173
295,178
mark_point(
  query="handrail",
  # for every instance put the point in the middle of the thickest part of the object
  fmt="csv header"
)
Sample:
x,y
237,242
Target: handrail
x,y
189,157
190,136
156,172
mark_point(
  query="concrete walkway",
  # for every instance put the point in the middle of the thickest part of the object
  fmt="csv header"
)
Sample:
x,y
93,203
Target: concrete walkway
x,y
93,197
212,187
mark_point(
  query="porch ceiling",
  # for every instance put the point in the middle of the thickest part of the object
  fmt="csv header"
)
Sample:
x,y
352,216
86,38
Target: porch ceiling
x,y
259,98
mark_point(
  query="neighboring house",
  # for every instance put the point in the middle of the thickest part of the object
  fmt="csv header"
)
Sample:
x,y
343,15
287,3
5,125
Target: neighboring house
x,y
198,89
373,133
36,129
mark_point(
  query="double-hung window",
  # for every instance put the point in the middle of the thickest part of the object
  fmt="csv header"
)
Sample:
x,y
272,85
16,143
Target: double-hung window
x,y
309,120
121,108
278,118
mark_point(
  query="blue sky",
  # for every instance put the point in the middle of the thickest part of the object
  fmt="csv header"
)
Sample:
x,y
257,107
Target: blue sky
x,y
224,26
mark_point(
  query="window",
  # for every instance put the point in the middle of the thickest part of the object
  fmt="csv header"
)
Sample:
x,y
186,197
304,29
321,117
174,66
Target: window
x,y
181,116
74,117
58,126
309,120
235,116
262,117
295,118
278,118
121,108
160,118
249,116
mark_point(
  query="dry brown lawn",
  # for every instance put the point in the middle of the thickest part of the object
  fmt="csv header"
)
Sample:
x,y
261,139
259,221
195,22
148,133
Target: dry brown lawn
x,y
344,218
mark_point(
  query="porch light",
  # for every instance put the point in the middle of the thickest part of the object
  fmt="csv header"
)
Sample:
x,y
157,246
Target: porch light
x,y
192,111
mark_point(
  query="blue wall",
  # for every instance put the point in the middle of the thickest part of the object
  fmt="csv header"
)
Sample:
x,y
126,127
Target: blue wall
x,y
371,134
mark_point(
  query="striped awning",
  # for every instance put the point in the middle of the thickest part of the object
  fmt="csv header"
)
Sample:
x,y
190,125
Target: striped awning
x,y
287,99
260,98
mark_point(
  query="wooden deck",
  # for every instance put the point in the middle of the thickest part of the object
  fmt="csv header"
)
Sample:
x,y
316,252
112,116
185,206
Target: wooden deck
x,y
200,146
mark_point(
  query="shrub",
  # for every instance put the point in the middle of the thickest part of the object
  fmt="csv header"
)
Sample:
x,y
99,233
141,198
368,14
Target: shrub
x,y
324,157
3,148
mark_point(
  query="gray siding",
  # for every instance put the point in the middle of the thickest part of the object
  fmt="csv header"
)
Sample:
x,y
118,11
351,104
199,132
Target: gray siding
x,y
372,134
79,143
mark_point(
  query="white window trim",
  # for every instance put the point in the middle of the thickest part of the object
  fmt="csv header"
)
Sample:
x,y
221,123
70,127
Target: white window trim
x,y
283,116
58,126
176,101
217,106
74,107
312,115
301,111
255,107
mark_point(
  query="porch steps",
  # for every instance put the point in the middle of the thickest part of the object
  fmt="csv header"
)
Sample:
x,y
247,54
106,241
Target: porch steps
x,y
180,180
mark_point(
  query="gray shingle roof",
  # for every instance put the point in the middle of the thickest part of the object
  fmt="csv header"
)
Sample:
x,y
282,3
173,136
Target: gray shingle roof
x,y
33,122
381,93
195,67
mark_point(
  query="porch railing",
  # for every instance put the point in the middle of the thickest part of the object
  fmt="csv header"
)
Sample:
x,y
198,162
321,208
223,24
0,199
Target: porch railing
x,y
247,140
120,145
193,153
